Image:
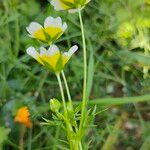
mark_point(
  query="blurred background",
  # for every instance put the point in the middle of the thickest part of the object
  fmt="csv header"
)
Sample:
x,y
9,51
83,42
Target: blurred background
x,y
118,44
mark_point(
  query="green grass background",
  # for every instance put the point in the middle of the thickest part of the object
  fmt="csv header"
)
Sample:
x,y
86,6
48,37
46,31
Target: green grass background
x,y
115,69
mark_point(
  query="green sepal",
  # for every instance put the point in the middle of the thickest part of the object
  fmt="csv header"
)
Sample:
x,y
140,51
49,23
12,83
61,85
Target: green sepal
x,y
48,66
77,2
56,37
47,122
59,65
47,36
70,5
83,2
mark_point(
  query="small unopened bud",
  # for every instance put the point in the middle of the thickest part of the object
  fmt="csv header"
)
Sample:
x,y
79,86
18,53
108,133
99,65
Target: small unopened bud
x,y
55,105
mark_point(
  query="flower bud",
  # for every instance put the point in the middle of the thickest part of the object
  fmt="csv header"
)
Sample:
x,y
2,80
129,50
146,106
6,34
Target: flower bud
x,y
55,105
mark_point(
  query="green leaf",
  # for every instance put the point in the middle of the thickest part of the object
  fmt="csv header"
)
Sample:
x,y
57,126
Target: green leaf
x,y
134,56
3,135
120,100
47,122
90,74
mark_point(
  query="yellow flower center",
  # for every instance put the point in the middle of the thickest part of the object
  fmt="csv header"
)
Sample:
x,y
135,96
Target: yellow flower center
x,y
53,32
51,60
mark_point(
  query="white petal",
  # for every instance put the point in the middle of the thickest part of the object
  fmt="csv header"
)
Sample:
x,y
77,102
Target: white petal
x,y
58,21
32,52
43,51
57,5
53,22
49,21
33,26
71,51
64,27
53,49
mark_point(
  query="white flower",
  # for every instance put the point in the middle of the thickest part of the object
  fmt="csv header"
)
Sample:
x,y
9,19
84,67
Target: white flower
x,y
52,58
52,30
70,5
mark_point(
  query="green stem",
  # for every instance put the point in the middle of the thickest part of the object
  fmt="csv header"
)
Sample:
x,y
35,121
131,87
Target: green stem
x,y
62,93
84,101
29,139
80,146
68,125
145,68
68,93
22,133
66,85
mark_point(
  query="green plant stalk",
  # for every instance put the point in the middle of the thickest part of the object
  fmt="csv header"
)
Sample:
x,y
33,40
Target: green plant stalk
x,y
73,143
67,88
84,100
145,68
69,98
62,93
22,133
29,139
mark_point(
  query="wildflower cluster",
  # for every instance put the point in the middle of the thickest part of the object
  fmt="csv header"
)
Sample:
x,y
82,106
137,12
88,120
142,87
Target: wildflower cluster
x,y
55,60
52,58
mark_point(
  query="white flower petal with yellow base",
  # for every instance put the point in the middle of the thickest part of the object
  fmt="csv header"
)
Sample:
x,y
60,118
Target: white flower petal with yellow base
x,y
67,55
50,56
36,31
53,49
54,27
70,5
33,53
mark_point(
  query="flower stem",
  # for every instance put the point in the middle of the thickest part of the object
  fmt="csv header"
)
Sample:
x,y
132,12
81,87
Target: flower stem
x,y
66,85
62,93
68,93
69,129
145,68
22,133
84,100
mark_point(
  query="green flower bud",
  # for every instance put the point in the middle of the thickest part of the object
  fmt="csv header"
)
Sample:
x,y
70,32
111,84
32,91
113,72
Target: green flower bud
x,y
55,105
